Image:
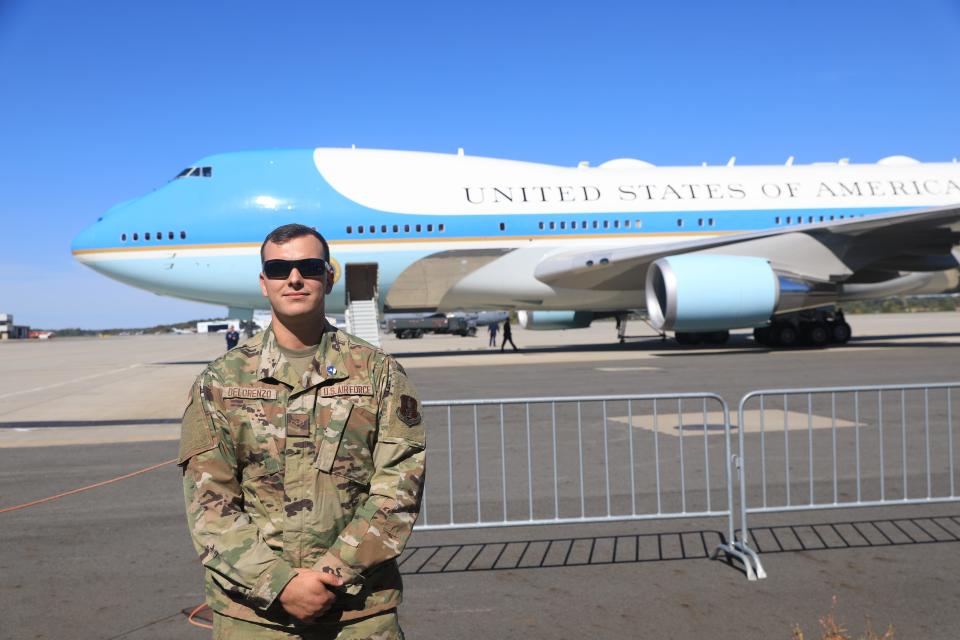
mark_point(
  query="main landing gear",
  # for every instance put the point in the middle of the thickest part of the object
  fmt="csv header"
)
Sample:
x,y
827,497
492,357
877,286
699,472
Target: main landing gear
x,y
816,328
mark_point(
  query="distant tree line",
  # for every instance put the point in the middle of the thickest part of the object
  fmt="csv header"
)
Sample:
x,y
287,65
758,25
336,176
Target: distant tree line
x,y
905,304
72,332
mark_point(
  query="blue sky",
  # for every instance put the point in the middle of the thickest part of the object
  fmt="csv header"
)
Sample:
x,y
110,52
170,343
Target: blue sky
x,y
103,101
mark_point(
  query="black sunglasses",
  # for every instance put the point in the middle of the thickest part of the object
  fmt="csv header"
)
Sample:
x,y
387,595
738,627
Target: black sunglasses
x,y
308,268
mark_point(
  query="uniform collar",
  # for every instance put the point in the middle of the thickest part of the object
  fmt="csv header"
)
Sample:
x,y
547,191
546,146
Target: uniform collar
x,y
328,363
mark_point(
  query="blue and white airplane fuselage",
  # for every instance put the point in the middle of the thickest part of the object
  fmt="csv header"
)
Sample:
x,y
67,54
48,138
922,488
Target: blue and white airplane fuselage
x,y
456,232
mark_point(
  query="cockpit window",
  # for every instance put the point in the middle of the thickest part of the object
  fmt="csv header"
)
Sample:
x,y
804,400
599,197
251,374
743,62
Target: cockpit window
x,y
196,172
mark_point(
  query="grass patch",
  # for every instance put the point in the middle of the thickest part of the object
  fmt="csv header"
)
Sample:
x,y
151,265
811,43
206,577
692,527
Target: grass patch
x,y
831,629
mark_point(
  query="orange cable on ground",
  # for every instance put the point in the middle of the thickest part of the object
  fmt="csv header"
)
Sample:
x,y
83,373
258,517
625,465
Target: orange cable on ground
x,y
87,488
32,503
196,610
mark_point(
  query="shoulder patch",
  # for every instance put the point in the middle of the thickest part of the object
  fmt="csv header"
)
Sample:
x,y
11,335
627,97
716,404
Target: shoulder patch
x,y
409,411
196,436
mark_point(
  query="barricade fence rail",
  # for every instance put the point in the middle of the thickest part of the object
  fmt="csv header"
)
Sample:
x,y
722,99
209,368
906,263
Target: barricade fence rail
x,y
524,461
564,460
840,447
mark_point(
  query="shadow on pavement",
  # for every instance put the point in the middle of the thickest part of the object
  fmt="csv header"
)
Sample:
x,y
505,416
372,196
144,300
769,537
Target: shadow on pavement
x,y
855,535
559,552
544,553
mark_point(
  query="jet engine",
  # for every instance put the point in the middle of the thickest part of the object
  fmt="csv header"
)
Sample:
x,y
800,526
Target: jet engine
x,y
699,292
552,320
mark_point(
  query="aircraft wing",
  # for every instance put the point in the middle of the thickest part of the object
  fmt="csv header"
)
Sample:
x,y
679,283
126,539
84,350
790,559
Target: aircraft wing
x,y
858,249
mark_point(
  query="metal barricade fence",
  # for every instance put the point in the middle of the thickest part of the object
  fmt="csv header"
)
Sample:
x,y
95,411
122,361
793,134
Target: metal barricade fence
x,y
838,447
560,460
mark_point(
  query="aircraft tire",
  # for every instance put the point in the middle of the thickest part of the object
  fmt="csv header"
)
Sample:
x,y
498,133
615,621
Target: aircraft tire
x,y
716,337
761,335
784,335
840,332
816,334
686,338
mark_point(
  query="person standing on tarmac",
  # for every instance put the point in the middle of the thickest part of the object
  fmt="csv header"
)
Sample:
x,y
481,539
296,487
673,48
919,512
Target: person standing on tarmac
x,y
303,466
492,329
233,337
507,335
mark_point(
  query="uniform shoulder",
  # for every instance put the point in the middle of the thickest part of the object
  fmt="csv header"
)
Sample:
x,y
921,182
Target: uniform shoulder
x,y
364,355
353,343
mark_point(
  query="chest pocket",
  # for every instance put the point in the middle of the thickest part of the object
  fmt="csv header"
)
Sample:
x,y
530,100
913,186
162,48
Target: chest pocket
x,y
345,440
261,458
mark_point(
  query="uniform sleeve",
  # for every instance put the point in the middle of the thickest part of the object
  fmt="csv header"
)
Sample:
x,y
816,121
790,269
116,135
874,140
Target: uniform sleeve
x,y
231,547
382,524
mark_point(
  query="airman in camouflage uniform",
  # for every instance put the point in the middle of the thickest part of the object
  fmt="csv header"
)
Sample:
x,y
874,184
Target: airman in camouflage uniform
x,y
284,473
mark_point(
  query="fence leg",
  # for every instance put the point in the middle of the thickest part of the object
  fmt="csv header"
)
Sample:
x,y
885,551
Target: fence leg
x,y
738,548
746,557
750,553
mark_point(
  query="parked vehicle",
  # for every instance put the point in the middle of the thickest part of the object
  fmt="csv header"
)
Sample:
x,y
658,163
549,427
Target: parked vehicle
x,y
414,327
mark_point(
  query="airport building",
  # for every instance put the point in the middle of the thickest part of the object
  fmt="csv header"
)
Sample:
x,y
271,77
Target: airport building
x,y
10,331
260,322
217,326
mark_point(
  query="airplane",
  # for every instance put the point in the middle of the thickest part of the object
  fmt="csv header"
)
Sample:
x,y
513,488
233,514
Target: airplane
x,y
703,249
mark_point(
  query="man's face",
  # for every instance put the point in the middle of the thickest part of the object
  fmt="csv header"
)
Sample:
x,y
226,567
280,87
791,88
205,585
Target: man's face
x,y
296,296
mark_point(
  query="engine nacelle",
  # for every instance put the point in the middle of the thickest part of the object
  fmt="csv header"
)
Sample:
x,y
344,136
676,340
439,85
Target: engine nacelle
x,y
553,320
696,292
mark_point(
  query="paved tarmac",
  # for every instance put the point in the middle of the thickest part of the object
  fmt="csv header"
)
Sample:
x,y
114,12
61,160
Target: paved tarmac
x,y
116,562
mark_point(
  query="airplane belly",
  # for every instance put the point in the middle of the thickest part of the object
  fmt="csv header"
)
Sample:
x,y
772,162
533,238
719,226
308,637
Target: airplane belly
x,y
507,282
231,280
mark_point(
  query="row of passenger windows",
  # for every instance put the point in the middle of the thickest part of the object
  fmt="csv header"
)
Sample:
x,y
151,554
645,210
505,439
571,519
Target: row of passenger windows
x,y
812,219
584,224
151,236
196,172
396,228
609,224
551,225
563,225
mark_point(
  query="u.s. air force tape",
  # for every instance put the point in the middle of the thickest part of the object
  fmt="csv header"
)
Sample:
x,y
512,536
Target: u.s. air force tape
x,y
250,392
346,390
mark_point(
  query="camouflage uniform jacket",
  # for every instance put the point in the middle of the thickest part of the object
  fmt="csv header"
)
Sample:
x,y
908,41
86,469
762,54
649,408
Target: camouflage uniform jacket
x,y
325,472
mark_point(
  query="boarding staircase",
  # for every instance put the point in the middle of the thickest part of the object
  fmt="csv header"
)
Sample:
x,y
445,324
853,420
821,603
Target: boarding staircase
x,y
362,313
363,320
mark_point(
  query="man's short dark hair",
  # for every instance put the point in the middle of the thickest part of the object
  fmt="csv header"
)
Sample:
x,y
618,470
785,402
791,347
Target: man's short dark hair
x,y
289,232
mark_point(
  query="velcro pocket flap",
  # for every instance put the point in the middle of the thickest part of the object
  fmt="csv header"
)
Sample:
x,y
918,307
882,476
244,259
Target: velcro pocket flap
x,y
329,434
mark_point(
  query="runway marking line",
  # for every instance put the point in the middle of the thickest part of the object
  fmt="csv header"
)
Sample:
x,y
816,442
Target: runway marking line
x,y
71,381
692,423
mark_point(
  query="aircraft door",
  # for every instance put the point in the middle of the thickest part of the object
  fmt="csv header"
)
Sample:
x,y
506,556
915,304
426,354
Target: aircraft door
x,y
362,281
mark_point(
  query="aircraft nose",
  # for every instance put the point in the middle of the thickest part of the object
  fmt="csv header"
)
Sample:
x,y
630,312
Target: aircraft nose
x,y
105,232
86,239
